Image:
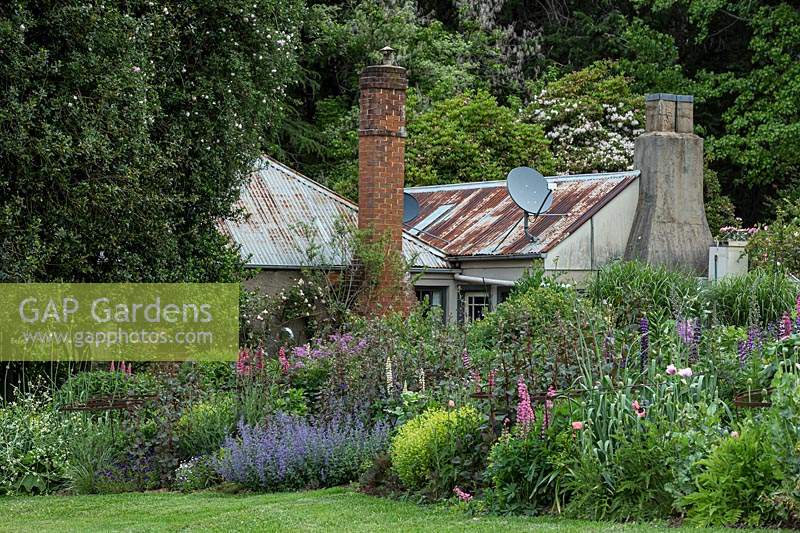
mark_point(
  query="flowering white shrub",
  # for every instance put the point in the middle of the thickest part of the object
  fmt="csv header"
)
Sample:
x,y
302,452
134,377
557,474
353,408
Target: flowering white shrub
x,y
591,120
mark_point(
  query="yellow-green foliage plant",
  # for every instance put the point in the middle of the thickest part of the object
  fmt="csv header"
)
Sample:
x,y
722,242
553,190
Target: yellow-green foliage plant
x,y
416,449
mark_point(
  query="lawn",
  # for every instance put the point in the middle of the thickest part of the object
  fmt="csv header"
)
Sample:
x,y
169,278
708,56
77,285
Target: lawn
x,y
336,509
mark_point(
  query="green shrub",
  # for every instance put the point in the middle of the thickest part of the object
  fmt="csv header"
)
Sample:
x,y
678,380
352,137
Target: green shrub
x,y
33,447
736,482
761,296
202,428
778,245
542,332
630,290
631,484
435,450
524,472
100,383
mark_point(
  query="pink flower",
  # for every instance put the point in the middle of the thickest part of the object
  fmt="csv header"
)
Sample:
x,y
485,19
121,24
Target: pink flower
x,y
466,360
641,414
685,372
491,378
451,404
635,405
111,367
136,70
285,366
671,370
734,434
577,425
463,496
525,414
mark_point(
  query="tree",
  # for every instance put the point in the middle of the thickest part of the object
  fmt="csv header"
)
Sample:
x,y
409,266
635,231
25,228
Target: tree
x,y
472,138
591,118
128,128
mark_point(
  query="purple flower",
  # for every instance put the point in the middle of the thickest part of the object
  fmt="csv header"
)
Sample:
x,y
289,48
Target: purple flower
x,y
671,370
694,354
291,452
743,353
685,329
785,326
644,328
685,372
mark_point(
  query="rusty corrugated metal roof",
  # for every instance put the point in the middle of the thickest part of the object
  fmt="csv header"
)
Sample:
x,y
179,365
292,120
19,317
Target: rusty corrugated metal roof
x,y
286,212
482,219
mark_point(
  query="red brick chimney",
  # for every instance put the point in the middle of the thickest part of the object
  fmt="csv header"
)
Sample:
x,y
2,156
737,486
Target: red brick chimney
x,y
381,170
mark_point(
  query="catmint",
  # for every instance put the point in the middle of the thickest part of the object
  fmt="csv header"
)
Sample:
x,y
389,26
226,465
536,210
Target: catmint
x,y
292,452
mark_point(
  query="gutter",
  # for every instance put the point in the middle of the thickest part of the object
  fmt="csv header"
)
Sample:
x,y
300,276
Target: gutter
x,y
483,281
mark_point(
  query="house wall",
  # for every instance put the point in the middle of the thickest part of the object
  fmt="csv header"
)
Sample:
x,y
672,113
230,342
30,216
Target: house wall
x,y
271,281
601,239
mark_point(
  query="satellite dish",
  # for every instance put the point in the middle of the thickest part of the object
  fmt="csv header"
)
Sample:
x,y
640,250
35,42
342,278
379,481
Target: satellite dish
x,y
529,190
410,208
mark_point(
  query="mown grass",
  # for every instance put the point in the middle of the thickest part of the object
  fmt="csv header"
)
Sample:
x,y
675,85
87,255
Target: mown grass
x,y
338,509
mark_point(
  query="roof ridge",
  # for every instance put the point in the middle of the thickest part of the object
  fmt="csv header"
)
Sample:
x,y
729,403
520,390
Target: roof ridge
x,y
501,183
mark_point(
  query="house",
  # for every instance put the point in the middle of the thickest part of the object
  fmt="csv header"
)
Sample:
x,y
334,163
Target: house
x,y
466,247
468,244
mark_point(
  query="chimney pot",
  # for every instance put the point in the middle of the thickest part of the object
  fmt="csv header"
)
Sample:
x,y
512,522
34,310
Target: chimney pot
x,y
388,55
684,115
660,112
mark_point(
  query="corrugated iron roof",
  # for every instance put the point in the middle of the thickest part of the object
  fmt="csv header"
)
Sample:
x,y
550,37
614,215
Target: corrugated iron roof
x,y
484,220
286,212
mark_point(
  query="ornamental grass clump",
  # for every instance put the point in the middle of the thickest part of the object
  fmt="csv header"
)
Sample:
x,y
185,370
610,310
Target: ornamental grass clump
x,y
292,452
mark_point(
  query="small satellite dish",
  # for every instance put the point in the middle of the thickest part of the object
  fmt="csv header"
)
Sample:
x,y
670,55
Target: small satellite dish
x,y
410,208
529,190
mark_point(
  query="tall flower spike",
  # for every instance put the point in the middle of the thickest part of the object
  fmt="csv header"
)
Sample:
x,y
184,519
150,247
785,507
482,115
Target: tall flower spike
x,y
389,375
644,328
466,360
525,414
785,326
694,352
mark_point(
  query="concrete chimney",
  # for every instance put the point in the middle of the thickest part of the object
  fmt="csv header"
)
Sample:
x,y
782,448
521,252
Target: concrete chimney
x,y
670,226
381,170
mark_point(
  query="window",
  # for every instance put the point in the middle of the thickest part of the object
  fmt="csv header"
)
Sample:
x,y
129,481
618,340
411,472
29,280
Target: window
x,y
476,304
502,294
433,296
